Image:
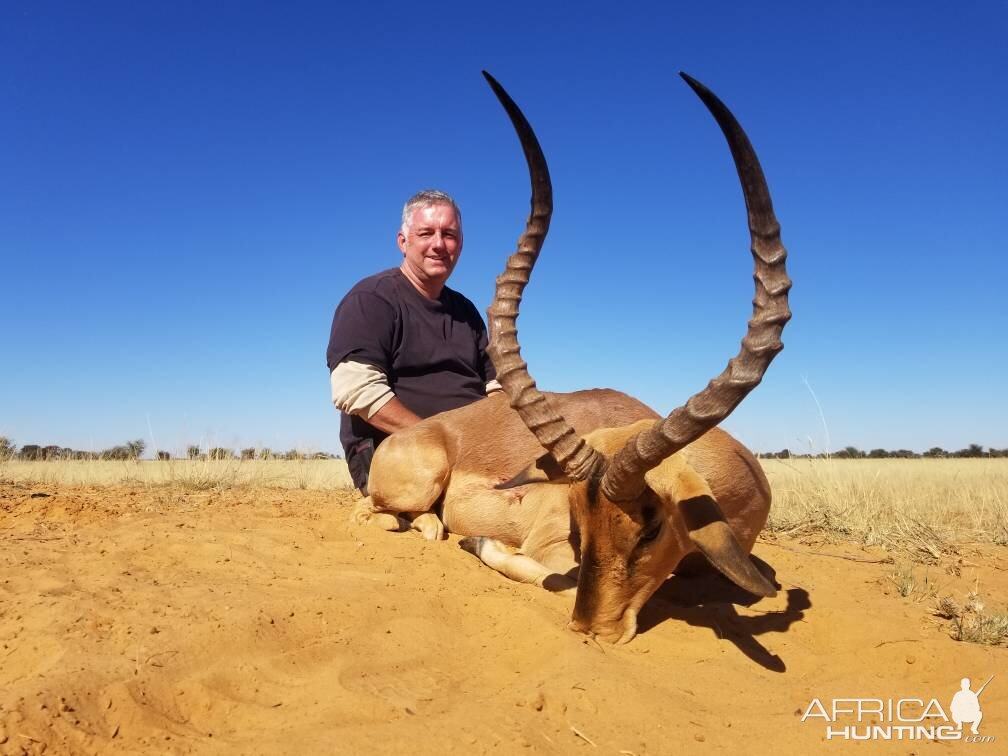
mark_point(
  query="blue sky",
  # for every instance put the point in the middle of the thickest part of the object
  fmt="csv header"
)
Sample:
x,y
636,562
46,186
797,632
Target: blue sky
x,y
187,190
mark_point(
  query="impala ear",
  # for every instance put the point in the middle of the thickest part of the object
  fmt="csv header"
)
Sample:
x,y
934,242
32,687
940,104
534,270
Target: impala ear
x,y
710,532
543,470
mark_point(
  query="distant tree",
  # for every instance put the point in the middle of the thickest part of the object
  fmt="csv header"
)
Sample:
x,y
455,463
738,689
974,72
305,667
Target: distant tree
x,y
7,448
220,453
292,454
878,454
265,454
116,453
56,452
782,454
193,452
129,450
849,452
31,451
935,452
248,453
162,455
904,454
973,450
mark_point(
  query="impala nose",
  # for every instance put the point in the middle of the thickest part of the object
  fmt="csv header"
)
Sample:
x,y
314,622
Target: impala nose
x,y
620,632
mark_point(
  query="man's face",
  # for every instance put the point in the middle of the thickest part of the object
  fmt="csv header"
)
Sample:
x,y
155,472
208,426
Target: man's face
x,y
432,243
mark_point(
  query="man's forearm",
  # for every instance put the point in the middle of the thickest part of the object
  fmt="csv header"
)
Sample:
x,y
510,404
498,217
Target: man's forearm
x,y
394,416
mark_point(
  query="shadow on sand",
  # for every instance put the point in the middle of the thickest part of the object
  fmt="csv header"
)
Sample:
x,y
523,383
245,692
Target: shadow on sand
x,y
710,600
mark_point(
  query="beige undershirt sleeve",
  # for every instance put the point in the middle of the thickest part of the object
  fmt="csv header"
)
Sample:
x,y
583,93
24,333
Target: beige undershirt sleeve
x,y
362,389
359,388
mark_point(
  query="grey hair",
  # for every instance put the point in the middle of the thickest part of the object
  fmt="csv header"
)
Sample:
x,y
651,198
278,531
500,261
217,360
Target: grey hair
x,y
427,198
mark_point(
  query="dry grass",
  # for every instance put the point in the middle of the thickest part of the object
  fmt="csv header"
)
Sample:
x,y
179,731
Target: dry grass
x,y
972,622
923,509
322,474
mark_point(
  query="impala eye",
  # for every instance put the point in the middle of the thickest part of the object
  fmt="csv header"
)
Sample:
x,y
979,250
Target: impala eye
x,y
651,532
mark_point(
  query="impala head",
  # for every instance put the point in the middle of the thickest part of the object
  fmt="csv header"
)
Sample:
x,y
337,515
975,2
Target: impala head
x,y
627,551
629,548
638,507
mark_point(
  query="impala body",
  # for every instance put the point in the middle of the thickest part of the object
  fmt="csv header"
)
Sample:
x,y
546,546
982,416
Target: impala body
x,y
621,496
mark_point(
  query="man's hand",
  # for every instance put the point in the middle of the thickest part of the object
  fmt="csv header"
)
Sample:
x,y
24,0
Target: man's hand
x,y
394,416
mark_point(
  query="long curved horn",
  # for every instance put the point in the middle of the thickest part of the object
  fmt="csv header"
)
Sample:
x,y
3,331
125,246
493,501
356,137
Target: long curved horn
x,y
550,428
624,478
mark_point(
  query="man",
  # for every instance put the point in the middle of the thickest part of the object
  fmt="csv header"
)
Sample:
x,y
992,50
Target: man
x,y
404,346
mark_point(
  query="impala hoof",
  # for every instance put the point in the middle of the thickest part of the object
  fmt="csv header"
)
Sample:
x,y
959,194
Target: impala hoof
x,y
472,544
430,526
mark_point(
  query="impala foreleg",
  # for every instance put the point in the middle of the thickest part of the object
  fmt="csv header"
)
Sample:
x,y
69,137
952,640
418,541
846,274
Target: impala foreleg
x,y
518,567
428,523
364,513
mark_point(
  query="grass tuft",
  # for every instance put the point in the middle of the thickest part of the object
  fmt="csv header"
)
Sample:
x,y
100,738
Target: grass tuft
x,y
971,622
910,586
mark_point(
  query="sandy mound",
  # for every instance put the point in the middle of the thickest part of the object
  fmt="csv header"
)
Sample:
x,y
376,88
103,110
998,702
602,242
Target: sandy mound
x,y
261,620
